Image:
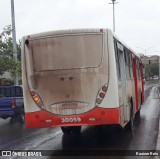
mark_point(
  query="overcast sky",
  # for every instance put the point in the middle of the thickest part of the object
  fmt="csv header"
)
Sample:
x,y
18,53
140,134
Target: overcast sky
x,y
137,22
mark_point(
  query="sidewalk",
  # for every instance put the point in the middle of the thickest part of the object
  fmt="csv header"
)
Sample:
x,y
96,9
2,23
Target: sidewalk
x,y
158,142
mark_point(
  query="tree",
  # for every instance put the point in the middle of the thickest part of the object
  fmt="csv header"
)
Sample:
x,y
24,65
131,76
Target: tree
x,y
151,70
7,63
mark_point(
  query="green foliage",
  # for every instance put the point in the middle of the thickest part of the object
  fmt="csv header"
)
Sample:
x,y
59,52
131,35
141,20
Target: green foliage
x,y
7,63
151,70
6,82
6,42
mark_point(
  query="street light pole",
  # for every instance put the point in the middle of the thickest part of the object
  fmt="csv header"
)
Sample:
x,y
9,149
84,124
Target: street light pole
x,y
14,38
113,3
113,16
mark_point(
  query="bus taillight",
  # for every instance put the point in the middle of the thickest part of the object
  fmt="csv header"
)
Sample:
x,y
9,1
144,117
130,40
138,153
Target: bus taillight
x,y
104,88
101,94
98,101
32,93
36,98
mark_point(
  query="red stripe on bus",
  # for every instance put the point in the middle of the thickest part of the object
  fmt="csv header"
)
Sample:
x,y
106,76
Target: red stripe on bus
x,y
97,116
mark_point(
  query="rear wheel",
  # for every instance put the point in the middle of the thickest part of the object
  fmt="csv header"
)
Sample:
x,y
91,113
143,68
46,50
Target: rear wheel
x,y
130,124
76,129
66,130
71,129
138,114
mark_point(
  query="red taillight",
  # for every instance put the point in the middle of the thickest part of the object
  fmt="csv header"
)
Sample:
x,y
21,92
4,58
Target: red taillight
x,y
101,94
13,104
32,93
104,88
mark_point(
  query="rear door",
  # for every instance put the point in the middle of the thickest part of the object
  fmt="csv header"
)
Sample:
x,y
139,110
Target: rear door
x,y
123,79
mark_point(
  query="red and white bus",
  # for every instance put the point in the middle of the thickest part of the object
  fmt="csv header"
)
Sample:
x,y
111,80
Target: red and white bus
x,y
80,77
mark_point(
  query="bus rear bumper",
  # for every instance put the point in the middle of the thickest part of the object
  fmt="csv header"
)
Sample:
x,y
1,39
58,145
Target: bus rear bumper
x,y
97,116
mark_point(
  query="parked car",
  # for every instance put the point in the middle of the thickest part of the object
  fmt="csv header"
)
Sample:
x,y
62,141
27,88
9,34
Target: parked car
x,y
11,102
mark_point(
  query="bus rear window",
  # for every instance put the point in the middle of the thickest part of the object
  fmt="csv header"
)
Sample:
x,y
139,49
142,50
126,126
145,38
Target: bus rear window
x,y
67,52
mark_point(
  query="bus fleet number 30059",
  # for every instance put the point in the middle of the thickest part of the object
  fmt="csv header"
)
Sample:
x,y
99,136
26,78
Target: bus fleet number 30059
x,y
70,120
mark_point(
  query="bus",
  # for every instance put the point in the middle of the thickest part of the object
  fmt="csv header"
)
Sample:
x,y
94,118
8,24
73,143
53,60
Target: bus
x,y
80,77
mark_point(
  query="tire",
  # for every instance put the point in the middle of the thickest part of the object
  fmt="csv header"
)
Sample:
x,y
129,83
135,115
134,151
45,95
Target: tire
x,y
76,130
22,118
12,120
138,114
4,117
66,130
130,124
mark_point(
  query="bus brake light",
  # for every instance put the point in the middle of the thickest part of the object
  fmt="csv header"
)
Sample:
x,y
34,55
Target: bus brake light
x,y
101,94
32,93
104,88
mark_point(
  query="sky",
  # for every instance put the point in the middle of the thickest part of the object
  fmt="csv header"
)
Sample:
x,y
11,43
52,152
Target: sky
x,y
136,22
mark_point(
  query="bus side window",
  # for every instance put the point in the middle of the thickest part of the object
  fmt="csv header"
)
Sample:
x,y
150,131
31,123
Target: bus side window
x,y
143,70
126,56
131,66
137,69
117,60
140,69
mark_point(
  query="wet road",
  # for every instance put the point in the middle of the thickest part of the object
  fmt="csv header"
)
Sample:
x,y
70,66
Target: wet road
x,y
14,135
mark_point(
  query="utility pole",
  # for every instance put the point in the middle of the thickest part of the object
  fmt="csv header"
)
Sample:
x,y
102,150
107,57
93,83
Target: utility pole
x,y
113,3
14,39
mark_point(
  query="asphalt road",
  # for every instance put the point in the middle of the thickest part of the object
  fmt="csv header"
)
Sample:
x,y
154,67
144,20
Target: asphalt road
x,y
14,135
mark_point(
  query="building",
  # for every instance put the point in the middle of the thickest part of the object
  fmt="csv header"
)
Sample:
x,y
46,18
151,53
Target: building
x,y
155,59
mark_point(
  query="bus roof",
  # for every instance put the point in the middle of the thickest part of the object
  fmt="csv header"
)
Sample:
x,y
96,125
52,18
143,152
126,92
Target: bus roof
x,y
81,30
67,31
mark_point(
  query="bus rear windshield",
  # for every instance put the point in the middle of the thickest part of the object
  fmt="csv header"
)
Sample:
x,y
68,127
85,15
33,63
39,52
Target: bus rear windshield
x,y
67,52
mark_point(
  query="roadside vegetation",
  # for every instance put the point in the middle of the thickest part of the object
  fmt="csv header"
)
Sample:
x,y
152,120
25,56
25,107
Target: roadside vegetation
x,y
152,71
7,62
